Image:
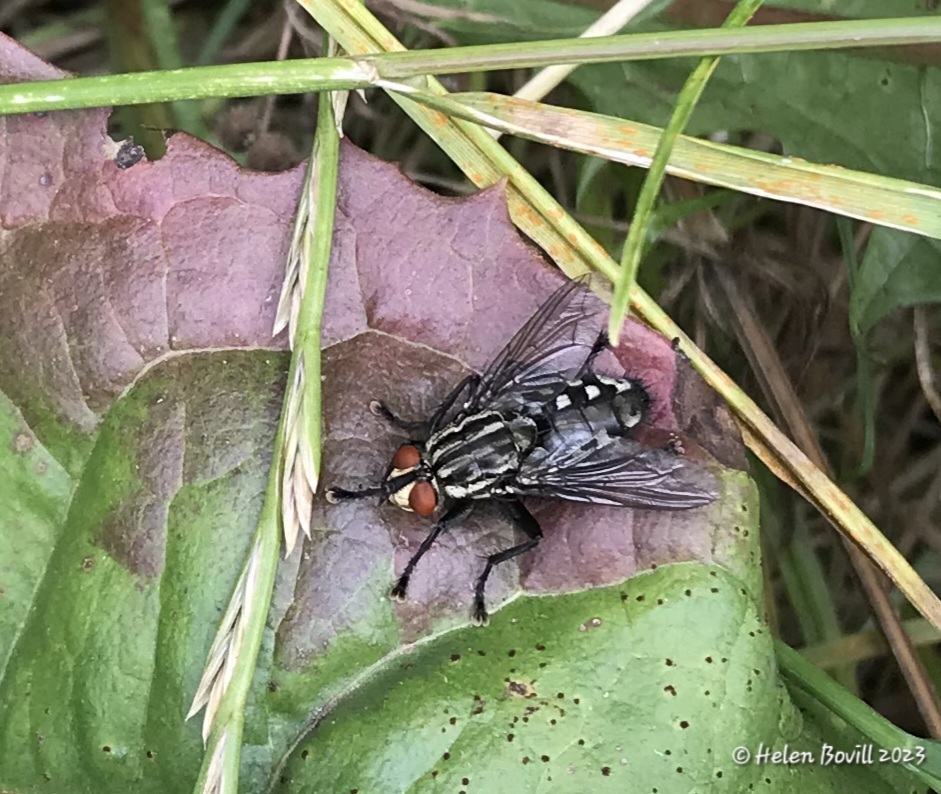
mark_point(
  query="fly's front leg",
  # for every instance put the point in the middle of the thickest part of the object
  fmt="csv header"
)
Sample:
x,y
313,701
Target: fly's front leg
x,y
520,516
387,487
471,381
457,513
379,408
427,426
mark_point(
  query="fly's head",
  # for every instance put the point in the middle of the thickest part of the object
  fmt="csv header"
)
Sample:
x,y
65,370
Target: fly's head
x,y
417,492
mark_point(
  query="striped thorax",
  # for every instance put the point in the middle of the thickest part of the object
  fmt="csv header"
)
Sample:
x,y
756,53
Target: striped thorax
x,y
477,456
468,458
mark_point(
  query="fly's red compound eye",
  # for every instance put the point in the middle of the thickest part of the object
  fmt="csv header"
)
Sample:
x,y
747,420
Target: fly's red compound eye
x,y
423,498
407,457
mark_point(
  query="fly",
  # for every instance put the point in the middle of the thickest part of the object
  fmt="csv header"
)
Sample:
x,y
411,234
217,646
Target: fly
x,y
538,422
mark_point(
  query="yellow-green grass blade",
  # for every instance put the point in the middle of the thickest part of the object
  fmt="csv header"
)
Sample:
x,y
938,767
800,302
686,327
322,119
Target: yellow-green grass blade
x,y
882,200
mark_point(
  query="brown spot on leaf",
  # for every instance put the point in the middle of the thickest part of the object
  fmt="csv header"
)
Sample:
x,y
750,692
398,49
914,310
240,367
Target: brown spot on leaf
x,y
519,689
22,442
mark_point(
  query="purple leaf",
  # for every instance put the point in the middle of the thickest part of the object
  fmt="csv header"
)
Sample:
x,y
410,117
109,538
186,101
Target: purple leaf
x,y
107,271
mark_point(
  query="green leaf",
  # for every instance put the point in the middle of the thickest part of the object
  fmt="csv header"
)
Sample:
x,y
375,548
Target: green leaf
x,y
108,657
626,688
897,270
36,491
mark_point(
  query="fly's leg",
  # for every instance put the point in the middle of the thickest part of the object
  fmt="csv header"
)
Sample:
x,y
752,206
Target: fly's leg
x,y
379,408
424,427
458,512
336,495
675,445
401,586
525,521
384,489
471,381
600,343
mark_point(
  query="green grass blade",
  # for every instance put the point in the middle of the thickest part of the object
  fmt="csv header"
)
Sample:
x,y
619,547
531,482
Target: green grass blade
x,y
320,74
244,634
231,80
921,756
637,235
804,36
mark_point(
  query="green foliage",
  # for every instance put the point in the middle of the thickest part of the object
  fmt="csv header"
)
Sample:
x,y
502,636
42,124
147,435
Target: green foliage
x,y
897,270
113,630
624,688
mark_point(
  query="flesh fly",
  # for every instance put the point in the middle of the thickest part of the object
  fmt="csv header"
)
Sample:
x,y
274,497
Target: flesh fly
x,y
537,422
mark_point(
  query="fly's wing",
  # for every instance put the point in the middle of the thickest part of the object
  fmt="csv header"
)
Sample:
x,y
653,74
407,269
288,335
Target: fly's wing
x,y
615,470
548,351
